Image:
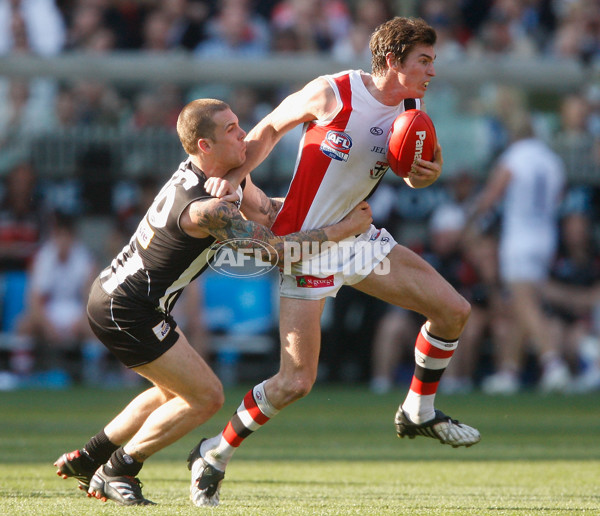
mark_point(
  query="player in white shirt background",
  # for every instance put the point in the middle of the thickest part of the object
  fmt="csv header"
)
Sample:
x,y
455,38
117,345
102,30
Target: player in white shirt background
x,y
527,184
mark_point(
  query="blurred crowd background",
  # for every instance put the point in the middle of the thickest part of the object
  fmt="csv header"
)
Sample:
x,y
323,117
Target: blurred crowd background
x,y
83,154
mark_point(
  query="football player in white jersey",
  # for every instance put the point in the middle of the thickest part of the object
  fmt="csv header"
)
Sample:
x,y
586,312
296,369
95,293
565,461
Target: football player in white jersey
x,y
528,181
346,118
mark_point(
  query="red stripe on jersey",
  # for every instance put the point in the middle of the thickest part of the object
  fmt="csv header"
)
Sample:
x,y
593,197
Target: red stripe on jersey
x,y
312,166
230,435
423,388
430,350
253,409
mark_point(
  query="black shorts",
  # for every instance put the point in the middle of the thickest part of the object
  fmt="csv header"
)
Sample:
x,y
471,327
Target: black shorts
x,y
134,333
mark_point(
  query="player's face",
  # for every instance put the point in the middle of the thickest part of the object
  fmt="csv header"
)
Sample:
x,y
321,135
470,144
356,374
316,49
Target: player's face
x,y
417,70
229,144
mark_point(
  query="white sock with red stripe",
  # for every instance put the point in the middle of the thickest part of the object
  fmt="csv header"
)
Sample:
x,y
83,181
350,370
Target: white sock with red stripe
x,y
254,411
432,356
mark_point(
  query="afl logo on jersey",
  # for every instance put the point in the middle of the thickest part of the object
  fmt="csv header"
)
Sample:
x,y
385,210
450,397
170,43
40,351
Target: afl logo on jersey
x,y
336,145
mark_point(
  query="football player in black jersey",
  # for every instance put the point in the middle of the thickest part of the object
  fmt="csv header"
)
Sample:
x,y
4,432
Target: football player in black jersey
x,y
130,302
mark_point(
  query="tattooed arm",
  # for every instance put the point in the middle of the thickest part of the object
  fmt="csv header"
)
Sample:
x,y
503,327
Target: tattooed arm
x,y
257,207
223,221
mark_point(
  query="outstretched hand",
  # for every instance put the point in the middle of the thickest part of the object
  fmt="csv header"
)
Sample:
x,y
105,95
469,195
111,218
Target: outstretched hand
x,y
222,189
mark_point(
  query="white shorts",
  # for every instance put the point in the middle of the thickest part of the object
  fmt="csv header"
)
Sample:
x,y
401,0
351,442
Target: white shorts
x,y
526,260
345,263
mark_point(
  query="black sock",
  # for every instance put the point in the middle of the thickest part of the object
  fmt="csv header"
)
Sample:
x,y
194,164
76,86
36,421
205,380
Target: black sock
x,y
99,448
120,464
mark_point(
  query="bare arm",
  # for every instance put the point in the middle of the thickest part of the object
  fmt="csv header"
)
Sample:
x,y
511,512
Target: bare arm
x,y
257,206
222,220
576,300
494,190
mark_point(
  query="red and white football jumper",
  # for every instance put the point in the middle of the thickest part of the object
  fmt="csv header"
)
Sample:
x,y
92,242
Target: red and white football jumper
x,y
341,160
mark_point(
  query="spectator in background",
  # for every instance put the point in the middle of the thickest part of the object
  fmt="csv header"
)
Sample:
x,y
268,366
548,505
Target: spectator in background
x,y
156,32
578,33
235,32
570,295
65,109
372,12
26,27
87,20
98,103
285,41
574,137
319,24
155,108
25,110
186,22
443,16
367,16
355,45
35,26
501,101
150,112
592,95
574,110
55,318
497,37
529,179
21,218
21,230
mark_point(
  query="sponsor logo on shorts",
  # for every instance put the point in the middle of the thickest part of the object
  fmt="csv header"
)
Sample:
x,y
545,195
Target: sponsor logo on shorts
x,y
314,282
336,145
161,330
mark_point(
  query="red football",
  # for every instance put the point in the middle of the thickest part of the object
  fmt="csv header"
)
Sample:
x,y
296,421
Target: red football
x,y
411,136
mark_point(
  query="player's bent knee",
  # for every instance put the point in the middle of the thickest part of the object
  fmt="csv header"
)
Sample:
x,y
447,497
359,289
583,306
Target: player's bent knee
x,y
453,318
463,310
216,399
209,400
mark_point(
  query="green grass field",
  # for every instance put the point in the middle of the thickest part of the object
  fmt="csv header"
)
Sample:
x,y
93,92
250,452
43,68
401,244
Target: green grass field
x,y
333,453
